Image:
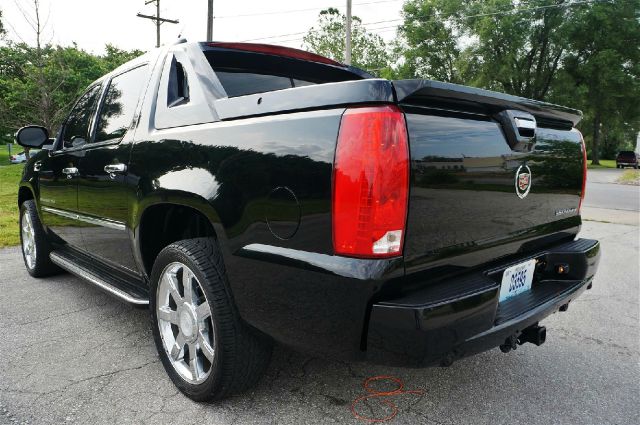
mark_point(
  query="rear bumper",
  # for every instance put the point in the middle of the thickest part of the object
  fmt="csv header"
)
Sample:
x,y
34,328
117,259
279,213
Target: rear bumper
x,y
457,318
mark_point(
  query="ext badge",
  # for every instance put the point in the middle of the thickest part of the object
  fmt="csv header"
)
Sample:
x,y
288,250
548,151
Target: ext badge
x,y
523,181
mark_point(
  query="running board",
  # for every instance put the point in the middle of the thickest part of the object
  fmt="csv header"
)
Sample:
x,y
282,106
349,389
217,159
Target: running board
x,y
99,275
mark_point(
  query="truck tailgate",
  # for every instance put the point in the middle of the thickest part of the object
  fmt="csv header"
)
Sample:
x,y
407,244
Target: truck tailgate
x,y
471,201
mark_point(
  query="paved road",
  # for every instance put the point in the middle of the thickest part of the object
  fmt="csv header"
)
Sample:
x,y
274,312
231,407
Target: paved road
x,y
71,354
602,192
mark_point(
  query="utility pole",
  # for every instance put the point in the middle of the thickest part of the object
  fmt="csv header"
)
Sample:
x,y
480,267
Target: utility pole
x,y
157,18
210,21
347,44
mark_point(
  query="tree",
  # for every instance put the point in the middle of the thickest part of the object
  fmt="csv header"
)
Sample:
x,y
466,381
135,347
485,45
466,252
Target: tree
x,y
604,66
584,54
520,50
114,57
505,45
38,84
65,72
327,38
430,42
2,31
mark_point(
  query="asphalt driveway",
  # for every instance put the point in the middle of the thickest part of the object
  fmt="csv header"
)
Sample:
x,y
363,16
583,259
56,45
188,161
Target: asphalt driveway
x,y
71,354
603,192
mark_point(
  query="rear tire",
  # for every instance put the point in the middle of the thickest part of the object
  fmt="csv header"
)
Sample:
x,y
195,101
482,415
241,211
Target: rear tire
x,y
33,240
209,353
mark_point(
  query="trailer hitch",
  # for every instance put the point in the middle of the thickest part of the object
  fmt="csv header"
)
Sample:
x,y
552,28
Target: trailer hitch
x,y
511,343
534,334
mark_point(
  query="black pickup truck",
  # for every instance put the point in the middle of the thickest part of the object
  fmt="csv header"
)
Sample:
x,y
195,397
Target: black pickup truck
x,y
251,193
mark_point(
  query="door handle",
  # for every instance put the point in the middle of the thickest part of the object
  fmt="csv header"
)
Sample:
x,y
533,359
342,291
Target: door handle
x,y
70,172
114,169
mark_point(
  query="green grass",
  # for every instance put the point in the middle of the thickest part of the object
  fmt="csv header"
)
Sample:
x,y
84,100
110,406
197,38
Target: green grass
x,y
4,155
9,178
630,177
604,163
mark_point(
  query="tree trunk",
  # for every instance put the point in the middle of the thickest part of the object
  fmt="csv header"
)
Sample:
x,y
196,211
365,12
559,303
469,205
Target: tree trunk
x,y
595,146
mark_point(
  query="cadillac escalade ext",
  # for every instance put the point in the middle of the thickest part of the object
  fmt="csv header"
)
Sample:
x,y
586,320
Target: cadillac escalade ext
x,y
251,193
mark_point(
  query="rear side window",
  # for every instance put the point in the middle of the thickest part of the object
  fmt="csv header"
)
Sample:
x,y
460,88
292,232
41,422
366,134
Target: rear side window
x,y
178,90
243,83
119,104
243,73
76,128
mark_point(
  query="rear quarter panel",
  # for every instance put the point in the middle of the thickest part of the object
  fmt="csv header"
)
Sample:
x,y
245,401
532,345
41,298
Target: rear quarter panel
x,y
236,166
268,183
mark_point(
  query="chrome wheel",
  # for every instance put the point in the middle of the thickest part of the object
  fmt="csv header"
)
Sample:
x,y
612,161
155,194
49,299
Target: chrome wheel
x,y
185,323
28,240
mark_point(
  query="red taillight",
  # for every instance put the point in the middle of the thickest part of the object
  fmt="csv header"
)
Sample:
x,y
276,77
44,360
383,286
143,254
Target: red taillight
x,y
269,49
371,183
584,171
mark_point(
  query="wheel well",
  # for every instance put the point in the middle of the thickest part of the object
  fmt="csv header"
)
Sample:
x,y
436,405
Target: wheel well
x,y
24,194
164,224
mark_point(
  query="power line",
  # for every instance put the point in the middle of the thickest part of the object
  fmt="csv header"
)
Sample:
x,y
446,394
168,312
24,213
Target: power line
x,y
244,15
376,31
504,12
304,32
301,33
274,36
495,13
388,28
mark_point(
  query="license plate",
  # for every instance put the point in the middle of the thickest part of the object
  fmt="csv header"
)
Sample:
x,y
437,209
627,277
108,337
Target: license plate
x,y
517,279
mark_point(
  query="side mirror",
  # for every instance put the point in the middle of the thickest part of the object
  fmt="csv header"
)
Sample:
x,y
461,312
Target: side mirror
x,y
32,136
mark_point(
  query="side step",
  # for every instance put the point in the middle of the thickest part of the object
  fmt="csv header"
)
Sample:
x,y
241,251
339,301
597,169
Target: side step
x,y
100,275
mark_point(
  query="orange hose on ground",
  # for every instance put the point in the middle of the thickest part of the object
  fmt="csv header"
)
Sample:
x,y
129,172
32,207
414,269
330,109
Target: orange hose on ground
x,y
373,393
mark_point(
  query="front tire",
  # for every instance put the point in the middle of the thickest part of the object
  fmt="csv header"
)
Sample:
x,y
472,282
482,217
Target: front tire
x,y
206,349
33,240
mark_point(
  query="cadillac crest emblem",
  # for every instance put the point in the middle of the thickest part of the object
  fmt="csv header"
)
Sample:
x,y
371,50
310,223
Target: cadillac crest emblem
x,y
523,181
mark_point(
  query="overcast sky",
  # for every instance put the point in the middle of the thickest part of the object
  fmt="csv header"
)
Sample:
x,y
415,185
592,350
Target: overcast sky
x,y
92,23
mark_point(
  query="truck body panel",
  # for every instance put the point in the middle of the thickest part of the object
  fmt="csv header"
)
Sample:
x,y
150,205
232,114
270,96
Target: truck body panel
x,y
258,166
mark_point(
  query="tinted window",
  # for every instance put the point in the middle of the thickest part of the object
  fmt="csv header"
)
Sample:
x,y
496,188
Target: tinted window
x,y
178,90
243,73
243,83
119,104
76,128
